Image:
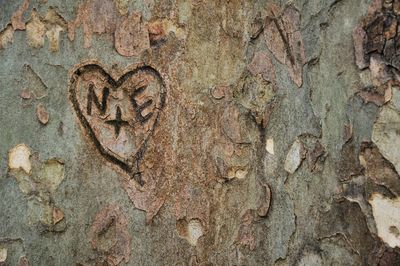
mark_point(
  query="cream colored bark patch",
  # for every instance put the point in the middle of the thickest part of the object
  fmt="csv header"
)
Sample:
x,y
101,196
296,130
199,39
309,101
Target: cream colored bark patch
x,y
54,25
294,157
122,6
385,135
270,146
191,231
35,30
53,34
387,218
18,158
195,231
3,254
51,174
237,172
240,174
6,36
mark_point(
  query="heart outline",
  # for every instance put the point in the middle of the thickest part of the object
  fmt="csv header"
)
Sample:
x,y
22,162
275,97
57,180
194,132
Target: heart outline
x,y
131,167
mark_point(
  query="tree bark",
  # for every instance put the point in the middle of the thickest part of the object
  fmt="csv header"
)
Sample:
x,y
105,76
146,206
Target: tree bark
x,y
199,132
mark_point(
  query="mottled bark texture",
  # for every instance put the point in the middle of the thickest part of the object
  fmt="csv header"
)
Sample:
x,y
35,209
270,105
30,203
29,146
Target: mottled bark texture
x,y
199,132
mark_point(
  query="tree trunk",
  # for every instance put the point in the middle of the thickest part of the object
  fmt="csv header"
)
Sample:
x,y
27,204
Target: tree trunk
x,y
199,132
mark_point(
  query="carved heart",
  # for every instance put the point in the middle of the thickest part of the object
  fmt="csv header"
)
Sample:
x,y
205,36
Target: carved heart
x,y
118,115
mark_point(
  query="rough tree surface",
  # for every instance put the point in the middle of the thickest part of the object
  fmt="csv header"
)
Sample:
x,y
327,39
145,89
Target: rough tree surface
x,y
199,132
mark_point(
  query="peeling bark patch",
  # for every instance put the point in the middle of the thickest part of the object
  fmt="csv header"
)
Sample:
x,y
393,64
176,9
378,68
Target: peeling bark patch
x,y
240,173
6,36
16,19
378,169
97,16
3,254
346,220
389,257
110,237
349,165
386,135
218,92
232,125
359,36
270,146
55,24
316,157
35,31
23,261
51,174
119,115
156,32
45,179
284,40
262,64
193,204
53,36
25,94
150,197
376,41
58,215
111,17
191,231
257,94
265,201
42,114
44,216
39,181
132,37
387,218
19,158
37,28
294,157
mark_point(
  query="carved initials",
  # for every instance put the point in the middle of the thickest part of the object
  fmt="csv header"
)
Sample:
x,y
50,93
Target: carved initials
x,y
139,108
119,115
92,97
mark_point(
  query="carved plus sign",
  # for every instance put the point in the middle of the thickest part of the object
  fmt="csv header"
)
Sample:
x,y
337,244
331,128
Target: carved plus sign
x,y
117,122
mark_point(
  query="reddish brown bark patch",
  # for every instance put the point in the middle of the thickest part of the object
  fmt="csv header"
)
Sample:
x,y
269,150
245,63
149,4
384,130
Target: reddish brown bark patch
x,y
316,157
349,165
25,94
95,16
23,261
246,235
16,19
131,36
377,168
109,235
156,32
376,41
284,40
262,64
